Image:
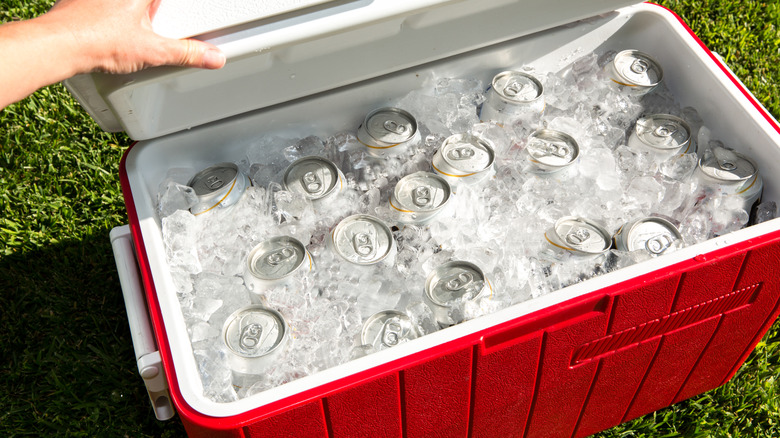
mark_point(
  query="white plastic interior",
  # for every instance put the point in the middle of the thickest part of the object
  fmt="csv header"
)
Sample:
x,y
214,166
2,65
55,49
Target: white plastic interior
x,y
689,73
294,55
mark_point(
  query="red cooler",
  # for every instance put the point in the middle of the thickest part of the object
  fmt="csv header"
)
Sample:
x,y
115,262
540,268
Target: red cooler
x,y
570,363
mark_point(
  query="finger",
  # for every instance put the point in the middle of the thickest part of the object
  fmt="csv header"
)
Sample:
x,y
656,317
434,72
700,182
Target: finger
x,y
153,7
193,53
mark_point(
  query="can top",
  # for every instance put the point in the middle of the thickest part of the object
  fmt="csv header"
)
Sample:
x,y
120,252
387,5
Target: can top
x,y
637,68
517,87
254,331
421,192
454,282
653,234
727,166
663,131
467,153
362,239
552,150
579,235
276,258
313,177
386,329
390,125
214,179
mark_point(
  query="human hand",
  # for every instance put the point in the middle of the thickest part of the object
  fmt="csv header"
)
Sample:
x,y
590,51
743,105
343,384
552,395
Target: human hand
x,y
116,36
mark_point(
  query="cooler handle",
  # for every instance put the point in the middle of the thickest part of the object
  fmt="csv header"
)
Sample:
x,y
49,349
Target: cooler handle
x,y
146,354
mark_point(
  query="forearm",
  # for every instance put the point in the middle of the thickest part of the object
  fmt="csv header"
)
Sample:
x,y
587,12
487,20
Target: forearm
x,y
35,53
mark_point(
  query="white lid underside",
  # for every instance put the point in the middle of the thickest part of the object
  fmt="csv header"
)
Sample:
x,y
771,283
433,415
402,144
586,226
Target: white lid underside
x,y
287,49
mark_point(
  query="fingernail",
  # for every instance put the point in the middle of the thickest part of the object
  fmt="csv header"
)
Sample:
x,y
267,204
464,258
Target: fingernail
x,y
213,58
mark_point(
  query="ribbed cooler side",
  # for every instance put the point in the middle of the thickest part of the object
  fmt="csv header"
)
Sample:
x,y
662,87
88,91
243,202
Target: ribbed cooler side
x,y
570,370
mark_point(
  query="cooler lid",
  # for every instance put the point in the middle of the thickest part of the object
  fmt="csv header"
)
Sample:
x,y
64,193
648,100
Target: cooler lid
x,y
287,49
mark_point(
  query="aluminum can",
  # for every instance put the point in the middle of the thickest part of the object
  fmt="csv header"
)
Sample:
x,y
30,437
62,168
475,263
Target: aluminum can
x,y
387,329
663,135
453,283
579,236
635,72
388,131
276,261
551,151
653,235
363,240
316,178
255,337
418,197
218,186
464,158
733,174
512,94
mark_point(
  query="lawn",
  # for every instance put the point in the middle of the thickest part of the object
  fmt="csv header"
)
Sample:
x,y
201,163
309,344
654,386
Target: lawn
x,y
67,367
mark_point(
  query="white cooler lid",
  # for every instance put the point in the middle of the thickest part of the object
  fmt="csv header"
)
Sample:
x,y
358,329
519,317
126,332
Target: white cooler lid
x,y
287,49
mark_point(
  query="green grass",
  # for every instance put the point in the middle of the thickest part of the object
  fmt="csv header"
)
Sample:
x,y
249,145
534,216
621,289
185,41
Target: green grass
x,y
67,367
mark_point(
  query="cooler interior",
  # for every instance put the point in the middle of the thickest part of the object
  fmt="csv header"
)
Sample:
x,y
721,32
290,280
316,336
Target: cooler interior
x,y
570,363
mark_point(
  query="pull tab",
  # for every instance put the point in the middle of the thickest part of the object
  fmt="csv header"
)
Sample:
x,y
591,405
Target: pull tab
x,y
578,237
250,336
639,66
726,159
282,255
421,196
461,153
459,282
548,149
392,332
513,88
665,130
658,244
363,244
394,127
213,182
311,183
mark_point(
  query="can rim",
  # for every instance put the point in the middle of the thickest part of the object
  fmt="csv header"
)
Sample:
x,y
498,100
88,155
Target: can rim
x,y
682,122
327,162
634,224
281,339
455,263
253,254
629,82
508,99
740,156
373,219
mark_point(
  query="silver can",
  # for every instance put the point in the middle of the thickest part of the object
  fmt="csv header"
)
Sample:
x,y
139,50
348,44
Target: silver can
x,y
316,178
363,240
464,158
276,261
255,337
218,186
388,131
551,151
579,236
663,135
653,235
451,284
731,173
512,94
387,329
418,197
635,72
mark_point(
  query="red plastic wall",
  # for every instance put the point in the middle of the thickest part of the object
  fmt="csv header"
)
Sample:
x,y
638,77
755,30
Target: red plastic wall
x,y
568,371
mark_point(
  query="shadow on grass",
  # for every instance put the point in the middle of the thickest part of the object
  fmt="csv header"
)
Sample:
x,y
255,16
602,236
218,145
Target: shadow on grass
x,y
67,365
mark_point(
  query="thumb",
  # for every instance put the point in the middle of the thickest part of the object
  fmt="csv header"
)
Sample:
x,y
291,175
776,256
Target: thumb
x,y
194,53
